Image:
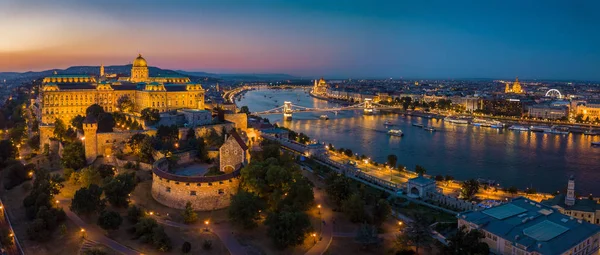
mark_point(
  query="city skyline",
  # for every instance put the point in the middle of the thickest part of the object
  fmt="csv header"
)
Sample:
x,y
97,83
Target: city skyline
x,y
354,39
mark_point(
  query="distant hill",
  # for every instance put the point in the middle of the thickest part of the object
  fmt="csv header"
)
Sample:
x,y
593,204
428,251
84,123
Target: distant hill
x,y
244,77
122,70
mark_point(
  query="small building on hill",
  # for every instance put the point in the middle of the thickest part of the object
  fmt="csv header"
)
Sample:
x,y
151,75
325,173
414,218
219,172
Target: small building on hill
x,y
233,152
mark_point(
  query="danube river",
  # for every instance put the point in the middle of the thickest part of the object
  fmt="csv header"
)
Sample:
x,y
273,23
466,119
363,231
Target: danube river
x,y
523,159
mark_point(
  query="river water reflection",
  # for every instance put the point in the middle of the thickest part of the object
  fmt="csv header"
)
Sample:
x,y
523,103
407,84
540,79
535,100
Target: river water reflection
x,y
523,159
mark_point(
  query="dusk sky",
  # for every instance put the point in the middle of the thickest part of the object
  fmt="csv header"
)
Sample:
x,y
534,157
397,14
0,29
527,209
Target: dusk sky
x,y
337,39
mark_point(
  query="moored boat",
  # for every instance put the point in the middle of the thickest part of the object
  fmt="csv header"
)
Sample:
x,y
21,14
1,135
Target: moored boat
x,y
429,128
595,143
518,128
455,120
324,117
417,125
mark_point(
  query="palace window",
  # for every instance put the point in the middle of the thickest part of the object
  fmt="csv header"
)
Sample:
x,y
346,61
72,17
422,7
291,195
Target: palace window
x,y
187,184
221,182
177,183
221,192
198,185
169,189
210,184
192,193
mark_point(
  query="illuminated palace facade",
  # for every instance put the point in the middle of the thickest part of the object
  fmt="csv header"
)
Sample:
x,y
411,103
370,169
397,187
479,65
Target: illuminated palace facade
x,y
66,96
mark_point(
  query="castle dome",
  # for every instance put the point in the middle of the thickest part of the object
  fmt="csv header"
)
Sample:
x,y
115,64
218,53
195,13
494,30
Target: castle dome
x,y
140,61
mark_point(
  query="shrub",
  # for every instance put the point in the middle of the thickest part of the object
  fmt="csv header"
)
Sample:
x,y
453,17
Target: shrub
x,y
207,245
186,247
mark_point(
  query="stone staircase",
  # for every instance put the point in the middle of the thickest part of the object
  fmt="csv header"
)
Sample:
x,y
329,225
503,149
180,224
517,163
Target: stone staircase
x,y
87,244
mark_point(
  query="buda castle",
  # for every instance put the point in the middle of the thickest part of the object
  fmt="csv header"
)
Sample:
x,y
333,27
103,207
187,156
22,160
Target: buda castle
x,y
66,96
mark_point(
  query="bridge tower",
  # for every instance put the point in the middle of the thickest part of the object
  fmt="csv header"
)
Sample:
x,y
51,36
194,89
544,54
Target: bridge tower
x,y
368,106
287,110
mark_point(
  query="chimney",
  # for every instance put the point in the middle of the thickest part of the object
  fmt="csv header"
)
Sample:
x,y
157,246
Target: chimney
x,y
225,135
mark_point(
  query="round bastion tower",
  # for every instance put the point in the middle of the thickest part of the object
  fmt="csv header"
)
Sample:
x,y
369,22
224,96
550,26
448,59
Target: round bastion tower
x,y
90,127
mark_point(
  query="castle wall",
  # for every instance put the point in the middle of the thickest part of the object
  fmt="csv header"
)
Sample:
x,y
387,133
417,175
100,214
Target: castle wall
x,y
240,120
209,195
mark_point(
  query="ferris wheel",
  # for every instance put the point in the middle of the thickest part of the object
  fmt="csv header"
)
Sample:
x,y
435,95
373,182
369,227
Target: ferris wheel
x,y
554,93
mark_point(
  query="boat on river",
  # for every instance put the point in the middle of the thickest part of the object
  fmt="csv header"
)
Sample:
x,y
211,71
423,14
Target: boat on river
x,y
417,125
518,128
429,128
395,132
324,117
389,123
540,129
595,144
455,120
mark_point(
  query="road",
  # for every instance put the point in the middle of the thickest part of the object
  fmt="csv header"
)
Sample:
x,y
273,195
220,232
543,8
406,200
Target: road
x,y
327,228
94,233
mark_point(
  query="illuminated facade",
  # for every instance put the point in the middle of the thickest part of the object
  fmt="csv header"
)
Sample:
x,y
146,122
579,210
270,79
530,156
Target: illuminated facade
x,y
66,96
515,88
589,111
320,87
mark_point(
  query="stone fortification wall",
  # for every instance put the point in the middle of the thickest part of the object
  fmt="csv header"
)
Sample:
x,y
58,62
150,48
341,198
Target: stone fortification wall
x,y
205,193
240,120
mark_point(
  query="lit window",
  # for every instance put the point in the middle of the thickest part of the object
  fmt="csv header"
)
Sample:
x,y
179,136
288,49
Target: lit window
x,y
192,193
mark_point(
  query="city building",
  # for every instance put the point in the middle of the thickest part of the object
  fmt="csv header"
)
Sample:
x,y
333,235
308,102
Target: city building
x,y
546,111
502,107
589,110
583,209
525,227
420,186
66,96
515,88
320,87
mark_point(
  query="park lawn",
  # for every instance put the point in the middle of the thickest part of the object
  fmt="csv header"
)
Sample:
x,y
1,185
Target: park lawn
x,y
70,243
257,241
178,236
414,209
347,245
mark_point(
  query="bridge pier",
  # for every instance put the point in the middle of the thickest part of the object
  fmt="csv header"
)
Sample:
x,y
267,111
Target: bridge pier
x,y
368,110
287,110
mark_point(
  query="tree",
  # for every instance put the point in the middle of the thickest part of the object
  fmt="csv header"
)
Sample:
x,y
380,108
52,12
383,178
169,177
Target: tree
x,y
338,188
392,160
469,189
439,178
34,142
245,208
109,220
60,129
74,155
202,150
244,109
150,116
300,196
16,174
106,122
512,190
7,151
367,236
77,122
416,233
287,228
420,170
186,247
189,215
5,238
88,176
381,211
94,110
117,190
466,242
87,200
125,104
106,171
134,214
354,207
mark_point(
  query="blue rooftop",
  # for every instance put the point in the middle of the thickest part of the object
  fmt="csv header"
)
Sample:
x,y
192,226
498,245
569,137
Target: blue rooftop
x,y
532,226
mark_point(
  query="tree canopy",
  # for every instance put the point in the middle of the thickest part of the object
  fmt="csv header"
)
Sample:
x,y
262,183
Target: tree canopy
x,y
87,200
74,155
244,209
150,115
109,220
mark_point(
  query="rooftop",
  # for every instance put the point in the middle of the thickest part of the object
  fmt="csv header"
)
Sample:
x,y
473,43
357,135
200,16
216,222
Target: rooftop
x,y
421,180
534,226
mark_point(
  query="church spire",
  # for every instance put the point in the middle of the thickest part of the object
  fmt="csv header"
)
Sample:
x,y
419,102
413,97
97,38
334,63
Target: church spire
x,y
101,70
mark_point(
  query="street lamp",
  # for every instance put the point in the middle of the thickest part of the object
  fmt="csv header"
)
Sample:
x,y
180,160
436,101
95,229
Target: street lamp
x,y
206,222
314,235
319,206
